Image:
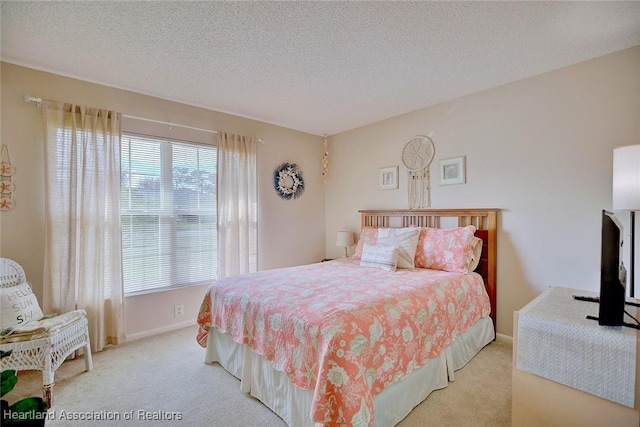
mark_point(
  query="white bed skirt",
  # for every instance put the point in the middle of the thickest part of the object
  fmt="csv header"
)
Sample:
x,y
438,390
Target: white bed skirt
x,y
293,404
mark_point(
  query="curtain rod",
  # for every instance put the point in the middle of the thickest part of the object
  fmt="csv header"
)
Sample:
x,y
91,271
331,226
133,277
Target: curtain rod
x,y
38,101
28,98
160,122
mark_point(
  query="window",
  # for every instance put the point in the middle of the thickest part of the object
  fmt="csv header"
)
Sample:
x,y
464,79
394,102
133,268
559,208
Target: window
x,y
168,213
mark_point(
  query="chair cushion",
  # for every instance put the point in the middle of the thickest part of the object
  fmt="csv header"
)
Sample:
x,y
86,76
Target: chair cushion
x,y
18,304
47,326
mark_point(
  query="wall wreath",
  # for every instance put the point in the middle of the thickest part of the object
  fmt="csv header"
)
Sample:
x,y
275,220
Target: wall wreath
x,y
288,182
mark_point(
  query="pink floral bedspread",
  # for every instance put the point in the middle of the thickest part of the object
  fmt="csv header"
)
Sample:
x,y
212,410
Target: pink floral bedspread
x,y
342,330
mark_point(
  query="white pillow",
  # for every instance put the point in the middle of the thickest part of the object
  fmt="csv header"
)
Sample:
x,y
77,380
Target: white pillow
x,y
476,254
18,305
405,239
384,257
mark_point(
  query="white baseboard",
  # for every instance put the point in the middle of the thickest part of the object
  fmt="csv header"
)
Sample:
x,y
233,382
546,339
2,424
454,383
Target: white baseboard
x,y
504,338
158,331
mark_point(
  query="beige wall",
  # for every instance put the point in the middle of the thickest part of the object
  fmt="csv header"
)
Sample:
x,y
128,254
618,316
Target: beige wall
x,y
540,149
290,232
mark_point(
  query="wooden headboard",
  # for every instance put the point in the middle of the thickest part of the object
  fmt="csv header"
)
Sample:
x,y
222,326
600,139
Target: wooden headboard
x,y
485,220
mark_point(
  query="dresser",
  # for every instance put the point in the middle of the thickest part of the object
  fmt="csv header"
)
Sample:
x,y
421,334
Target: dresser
x,y
570,371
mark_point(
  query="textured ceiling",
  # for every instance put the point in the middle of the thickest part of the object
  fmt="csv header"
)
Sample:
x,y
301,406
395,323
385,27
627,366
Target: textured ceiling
x,y
319,67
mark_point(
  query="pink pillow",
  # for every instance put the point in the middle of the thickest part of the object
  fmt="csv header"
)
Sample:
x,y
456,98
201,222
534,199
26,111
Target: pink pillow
x,y
368,235
448,249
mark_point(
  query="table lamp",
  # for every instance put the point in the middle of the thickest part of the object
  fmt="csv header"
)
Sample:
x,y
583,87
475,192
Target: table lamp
x,y
345,239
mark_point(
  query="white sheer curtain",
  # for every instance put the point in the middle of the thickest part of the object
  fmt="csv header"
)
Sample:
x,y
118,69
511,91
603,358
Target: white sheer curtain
x,y
82,213
237,205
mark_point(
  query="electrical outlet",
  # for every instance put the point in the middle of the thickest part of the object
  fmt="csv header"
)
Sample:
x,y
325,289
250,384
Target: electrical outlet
x,y
178,310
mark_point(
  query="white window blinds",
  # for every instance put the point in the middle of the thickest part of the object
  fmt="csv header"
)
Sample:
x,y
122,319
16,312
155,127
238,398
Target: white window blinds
x,y
168,211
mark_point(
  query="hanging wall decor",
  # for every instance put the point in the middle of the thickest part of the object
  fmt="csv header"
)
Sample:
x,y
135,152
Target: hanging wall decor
x,y
452,170
7,170
288,182
416,156
325,161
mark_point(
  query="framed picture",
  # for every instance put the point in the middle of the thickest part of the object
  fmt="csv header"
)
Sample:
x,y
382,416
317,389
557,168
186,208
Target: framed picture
x,y
388,178
452,170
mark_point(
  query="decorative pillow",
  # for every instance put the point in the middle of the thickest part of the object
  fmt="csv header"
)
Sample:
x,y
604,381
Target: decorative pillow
x,y
447,249
384,257
476,253
368,235
18,304
405,239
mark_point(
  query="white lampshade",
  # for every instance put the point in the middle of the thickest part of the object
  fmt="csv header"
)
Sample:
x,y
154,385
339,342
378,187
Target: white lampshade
x,y
344,239
626,178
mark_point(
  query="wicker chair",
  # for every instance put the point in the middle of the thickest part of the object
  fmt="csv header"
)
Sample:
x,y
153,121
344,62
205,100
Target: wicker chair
x,y
45,351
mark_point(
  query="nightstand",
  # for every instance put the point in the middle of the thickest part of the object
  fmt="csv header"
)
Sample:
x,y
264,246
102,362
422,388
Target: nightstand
x,y
569,370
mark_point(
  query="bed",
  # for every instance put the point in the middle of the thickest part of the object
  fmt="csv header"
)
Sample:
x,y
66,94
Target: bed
x,y
341,343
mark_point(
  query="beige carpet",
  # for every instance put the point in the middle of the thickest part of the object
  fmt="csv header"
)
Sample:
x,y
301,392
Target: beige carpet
x,y
165,376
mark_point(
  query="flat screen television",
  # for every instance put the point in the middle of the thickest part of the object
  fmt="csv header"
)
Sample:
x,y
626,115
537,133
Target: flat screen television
x,y
612,273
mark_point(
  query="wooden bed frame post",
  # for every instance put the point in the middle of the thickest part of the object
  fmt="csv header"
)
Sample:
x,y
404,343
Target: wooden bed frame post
x,y
492,226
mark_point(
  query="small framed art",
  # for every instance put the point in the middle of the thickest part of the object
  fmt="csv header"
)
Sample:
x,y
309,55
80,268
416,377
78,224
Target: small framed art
x,y
388,178
452,170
